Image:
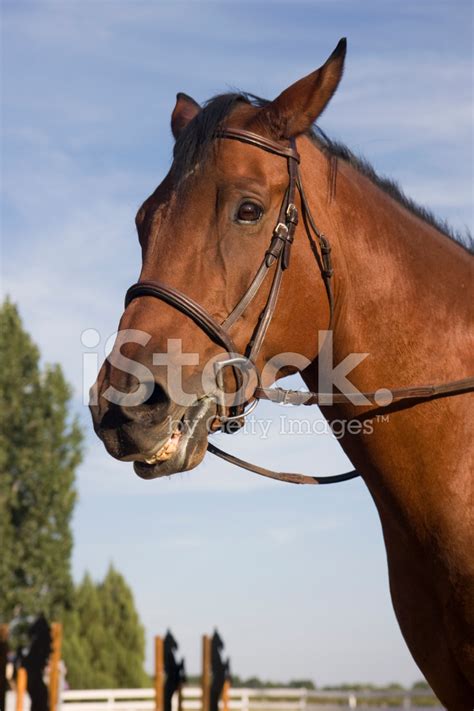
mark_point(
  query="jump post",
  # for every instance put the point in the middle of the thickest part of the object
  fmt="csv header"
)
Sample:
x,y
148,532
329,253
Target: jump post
x,y
56,630
55,658
206,673
21,683
159,674
215,674
169,673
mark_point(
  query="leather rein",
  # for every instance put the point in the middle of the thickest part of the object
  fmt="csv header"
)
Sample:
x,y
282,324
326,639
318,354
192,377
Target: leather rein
x,y
277,257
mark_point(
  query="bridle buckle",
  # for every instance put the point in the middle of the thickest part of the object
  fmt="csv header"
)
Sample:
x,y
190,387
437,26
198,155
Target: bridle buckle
x,y
281,231
328,270
292,214
221,405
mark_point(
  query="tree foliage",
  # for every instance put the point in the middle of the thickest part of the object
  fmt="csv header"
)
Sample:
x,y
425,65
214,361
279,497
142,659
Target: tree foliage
x,y
104,641
40,449
255,682
421,686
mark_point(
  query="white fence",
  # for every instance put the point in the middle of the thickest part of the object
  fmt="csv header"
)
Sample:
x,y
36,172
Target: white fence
x,y
241,700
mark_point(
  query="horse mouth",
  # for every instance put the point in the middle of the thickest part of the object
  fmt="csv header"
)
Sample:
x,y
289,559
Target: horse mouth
x,y
167,450
184,448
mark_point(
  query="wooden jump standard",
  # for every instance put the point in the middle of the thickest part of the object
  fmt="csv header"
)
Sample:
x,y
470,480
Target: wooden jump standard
x,y
170,675
215,674
22,677
55,658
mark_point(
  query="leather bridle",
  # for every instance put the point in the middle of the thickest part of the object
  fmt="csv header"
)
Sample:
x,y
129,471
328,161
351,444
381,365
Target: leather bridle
x,y
277,257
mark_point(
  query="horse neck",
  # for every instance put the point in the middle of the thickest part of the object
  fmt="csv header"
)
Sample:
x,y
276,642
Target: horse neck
x,y
401,286
400,291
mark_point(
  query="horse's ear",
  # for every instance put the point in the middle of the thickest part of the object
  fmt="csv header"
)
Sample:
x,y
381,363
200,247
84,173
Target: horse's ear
x,y
298,107
184,112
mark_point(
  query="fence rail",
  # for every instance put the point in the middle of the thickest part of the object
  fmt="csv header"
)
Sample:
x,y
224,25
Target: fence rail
x,y
245,700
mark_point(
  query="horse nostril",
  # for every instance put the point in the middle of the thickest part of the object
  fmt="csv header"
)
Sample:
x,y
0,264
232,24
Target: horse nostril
x,y
117,415
158,397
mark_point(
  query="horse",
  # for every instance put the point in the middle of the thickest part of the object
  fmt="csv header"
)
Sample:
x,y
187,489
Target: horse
x,y
390,282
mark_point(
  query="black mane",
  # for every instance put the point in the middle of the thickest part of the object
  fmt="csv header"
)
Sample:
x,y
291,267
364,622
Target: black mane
x,y
196,143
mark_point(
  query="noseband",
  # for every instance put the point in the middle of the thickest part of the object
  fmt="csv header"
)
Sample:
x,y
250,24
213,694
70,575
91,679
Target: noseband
x,y
277,257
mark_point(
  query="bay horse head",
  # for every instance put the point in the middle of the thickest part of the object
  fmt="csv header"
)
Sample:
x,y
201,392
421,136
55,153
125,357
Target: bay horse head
x,y
203,233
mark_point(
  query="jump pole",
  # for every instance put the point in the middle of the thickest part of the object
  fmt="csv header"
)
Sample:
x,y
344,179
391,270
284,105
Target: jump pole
x,y
159,674
55,658
3,665
206,672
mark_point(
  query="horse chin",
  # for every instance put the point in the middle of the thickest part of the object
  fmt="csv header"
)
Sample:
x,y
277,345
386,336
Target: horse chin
x,y
183,450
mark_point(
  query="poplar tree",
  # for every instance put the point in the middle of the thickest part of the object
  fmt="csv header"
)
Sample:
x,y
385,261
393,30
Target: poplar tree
x,y
104,641
40,449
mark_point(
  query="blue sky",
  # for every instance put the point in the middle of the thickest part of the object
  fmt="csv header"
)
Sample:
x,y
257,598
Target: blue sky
x,y
295,579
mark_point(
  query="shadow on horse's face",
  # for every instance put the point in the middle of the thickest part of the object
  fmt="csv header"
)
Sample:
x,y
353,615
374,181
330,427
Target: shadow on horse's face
x,y
205,231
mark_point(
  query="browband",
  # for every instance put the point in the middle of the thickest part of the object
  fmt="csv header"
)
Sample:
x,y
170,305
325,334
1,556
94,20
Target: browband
x,y
239,134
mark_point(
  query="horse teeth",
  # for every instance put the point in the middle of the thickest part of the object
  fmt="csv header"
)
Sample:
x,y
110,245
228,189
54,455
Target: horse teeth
x,y
167,450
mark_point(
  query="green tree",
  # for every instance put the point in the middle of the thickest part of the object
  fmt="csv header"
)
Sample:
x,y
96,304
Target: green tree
x,y
40,448
104,641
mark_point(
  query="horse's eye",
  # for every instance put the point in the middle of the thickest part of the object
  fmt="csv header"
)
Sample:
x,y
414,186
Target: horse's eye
x,y
249,212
